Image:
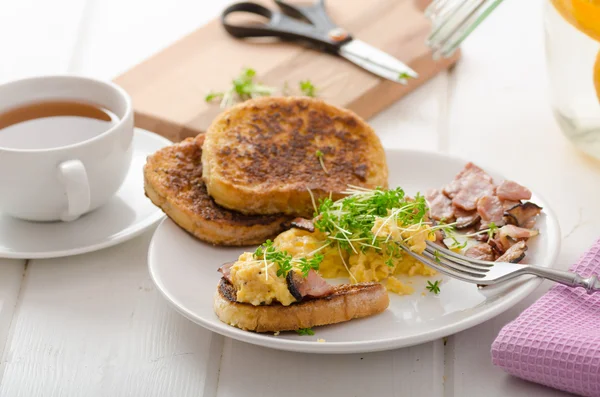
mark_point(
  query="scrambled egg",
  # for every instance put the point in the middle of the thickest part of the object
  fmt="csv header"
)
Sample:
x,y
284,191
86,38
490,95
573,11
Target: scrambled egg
x,y
259,284
367,265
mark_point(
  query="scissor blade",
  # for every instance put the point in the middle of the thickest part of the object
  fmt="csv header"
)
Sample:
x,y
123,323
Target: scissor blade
x,y
376,61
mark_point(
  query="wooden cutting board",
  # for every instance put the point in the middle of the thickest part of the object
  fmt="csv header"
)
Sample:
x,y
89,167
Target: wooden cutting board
x,y
169,88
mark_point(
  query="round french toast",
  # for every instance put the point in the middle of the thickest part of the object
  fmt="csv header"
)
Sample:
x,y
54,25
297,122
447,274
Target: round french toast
x,y
346,302
173,181
276,154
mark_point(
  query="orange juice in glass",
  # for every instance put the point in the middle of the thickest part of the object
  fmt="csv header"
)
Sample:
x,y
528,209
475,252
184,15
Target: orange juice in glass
x,y
572,29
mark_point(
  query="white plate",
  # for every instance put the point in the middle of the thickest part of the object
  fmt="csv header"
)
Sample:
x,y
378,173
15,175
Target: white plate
x,y
126,215
185,271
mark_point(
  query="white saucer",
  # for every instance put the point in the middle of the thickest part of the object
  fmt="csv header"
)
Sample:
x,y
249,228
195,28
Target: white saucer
x,y
125,216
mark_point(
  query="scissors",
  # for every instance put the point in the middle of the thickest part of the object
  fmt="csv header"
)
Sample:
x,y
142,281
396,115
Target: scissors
x,y
311,24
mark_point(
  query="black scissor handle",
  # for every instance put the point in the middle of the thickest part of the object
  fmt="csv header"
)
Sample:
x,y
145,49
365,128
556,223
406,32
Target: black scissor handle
x,y
283,26
315,13
255,30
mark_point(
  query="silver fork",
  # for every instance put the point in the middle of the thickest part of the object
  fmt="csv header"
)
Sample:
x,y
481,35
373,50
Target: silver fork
x,y
453,20
489,273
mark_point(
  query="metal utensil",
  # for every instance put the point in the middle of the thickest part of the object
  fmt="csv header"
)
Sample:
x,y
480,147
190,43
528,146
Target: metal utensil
x,y
311,24
453,21
490,273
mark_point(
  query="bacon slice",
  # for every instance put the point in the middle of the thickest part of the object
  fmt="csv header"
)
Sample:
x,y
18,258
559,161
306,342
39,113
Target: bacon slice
x,y
473,186
508,204
523,215
313,285
439,238
480,251
509,190
477,202
303,224
440,206
514,254
491,210
496,246
225,269
465,219
516,232
508,234
452,189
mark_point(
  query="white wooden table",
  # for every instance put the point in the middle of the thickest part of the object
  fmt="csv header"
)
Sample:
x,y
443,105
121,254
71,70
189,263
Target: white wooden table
x,y
93,325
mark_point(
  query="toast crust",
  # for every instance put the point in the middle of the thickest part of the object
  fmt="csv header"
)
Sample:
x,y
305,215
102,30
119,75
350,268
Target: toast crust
x,y
349,301
173,182
261,156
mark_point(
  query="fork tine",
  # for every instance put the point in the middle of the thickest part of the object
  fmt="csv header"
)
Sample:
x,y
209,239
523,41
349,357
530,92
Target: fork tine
x,y
461,261
432,246
455,266
440,267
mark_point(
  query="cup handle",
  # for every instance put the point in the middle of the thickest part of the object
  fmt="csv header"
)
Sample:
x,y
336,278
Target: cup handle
x,y
74,178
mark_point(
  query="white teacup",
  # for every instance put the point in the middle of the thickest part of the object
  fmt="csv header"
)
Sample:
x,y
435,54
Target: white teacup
x,y
72,173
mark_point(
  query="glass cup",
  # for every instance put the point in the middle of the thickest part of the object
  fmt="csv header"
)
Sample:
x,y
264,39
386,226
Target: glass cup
x,y
572,43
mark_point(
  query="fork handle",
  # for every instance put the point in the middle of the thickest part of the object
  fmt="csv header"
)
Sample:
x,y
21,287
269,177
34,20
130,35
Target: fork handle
x,y
570,279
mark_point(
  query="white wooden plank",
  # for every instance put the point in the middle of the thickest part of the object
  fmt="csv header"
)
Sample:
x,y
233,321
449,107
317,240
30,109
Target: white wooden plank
x,y
37,40
94,325
38,37
500,117
252,371
11,277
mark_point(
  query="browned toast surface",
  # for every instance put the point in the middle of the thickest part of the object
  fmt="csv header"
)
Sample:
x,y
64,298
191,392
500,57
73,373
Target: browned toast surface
x,y
263,155
347,302
173,181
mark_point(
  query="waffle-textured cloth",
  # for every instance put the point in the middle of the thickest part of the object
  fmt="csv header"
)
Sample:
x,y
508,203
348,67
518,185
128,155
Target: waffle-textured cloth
x,y
556,341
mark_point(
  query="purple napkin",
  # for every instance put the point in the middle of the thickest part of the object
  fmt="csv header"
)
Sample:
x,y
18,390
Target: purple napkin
x,y
556,341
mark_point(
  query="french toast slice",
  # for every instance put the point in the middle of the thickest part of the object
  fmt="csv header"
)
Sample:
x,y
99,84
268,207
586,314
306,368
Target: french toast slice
x,y
268,155
173,182
347,302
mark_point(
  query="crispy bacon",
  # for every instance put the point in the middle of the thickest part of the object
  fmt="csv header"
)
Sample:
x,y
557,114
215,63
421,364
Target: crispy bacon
x,y
476,203
439,238
313,285
496,246
303,224
523,215
509,190
452,189
440,206
465,219
509,234
480,251
225,269
508,204
491,210
514,254
474,187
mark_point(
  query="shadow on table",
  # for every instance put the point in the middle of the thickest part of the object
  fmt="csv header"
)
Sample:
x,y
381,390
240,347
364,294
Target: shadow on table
x,y
529,388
